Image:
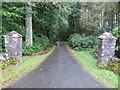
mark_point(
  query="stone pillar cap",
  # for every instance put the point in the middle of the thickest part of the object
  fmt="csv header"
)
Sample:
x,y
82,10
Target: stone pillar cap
x,y
107,35
13,34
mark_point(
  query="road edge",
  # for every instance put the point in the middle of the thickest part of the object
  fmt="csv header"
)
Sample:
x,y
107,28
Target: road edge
x,y
102,83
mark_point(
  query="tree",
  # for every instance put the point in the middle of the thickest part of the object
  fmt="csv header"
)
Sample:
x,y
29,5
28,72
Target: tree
x,y
29,39
91,18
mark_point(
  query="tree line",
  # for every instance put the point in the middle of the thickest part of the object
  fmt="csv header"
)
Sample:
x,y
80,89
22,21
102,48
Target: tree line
x,y
58,20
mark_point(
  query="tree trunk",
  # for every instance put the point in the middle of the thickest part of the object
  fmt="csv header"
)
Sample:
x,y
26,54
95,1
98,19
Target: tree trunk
x,y
29,41
102,22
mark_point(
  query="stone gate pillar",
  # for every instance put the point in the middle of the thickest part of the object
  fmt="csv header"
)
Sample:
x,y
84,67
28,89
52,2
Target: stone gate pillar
x,y
13,45
106,47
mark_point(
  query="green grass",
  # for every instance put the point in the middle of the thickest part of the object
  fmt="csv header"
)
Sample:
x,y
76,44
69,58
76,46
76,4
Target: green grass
x,y
89,63
12,73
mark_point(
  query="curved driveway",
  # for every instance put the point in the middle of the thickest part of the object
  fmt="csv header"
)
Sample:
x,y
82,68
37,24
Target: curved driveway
x,y
59,70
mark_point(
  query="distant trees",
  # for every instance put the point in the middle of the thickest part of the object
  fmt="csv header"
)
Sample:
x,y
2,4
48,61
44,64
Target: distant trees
x,y
95,18
58,20
51,19
89,17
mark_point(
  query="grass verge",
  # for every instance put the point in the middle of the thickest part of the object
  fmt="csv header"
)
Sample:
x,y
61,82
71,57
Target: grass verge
x,y
12,73
89,63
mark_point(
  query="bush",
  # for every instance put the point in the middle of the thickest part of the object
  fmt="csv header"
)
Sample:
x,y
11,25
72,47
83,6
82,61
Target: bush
x,y
40,42
112,66
80,42
9,61
26,50
43,40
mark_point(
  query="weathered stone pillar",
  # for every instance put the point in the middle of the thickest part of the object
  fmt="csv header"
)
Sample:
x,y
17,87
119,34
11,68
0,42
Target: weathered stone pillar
x,y
13,45
106,47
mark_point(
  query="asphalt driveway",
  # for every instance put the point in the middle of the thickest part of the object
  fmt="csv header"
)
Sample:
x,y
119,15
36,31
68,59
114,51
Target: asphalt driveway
x,y
59,70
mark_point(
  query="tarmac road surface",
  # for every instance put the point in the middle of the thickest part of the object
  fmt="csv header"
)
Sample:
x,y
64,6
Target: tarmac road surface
x,y
59,70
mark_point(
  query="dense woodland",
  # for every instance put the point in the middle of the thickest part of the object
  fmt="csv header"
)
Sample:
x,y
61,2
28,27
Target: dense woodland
x,y
79,23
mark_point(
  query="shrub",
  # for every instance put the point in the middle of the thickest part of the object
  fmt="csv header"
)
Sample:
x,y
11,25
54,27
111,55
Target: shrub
x,y
112,66
43,40
80,42
26,50
8,61
40,42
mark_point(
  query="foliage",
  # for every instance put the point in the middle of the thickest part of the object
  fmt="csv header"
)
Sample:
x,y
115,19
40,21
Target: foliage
x,y
107,77
41,39
93,18
58,20
51,19
12,19
112,65
1,65
80,42
13,16
26,50
9,61
39,43
116,33
100,31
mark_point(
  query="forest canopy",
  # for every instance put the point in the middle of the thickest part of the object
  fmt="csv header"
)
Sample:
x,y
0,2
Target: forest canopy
x,y
58,20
